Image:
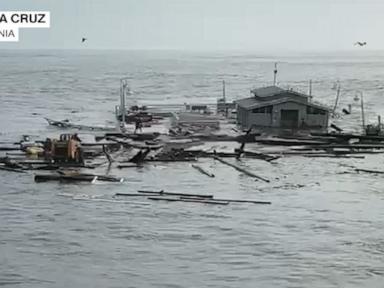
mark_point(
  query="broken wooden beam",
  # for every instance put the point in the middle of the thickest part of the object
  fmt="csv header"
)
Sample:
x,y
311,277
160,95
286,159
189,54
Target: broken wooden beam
x,y
105,178
256,155
134,194
201,170
175,194
109,158
203,201
139,157
12,169
122,166
241,149
369,171
246,172
17,148
73,178
332,156
234,200
172,160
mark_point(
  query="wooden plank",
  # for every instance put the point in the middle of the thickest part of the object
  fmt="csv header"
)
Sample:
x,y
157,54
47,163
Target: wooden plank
x,y
129,166
188,200
332,156
201,170
345,146
369,171
45,178
133,194
172,160
12,169
105,178
234,200
246,172
10,149
175,193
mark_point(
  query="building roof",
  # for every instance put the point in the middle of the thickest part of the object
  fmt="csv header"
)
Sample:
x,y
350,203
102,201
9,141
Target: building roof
x,y
267,91
252,103
246,102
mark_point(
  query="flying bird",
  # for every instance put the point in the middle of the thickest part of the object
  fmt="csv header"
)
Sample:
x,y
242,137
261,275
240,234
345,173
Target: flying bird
x,y
83,40
361,44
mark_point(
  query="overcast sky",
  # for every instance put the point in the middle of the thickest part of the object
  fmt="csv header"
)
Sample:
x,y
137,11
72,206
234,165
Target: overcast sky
x,y
260,25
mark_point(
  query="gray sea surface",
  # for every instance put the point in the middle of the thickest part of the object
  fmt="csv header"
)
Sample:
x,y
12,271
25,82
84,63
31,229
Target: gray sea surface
x,y
325,227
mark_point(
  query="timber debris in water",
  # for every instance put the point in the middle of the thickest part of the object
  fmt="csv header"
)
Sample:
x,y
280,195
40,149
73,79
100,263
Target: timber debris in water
x,y
203,171
120,149
75,177
369,171
64,178
188,197
195,200
5,168
66,124
123,166
10,148
234,200
246,172
162,192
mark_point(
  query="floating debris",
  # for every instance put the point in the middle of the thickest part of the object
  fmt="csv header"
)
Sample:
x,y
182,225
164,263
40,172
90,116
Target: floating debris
x,y
169,193
76,177
66,124
188,197
213,202
246,172
369,171
203,171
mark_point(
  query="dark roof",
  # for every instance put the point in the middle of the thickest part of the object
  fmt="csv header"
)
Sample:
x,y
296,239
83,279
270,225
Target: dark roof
x,y
267,91
251,103
247,102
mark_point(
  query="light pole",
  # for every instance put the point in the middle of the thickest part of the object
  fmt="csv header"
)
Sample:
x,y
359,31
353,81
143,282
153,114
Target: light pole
x,y
362,110
123,87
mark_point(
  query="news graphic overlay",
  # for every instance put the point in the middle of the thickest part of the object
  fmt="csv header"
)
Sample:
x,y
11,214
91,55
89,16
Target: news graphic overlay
x,y
12,21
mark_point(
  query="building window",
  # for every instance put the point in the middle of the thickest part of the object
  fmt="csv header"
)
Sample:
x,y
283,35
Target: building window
x,y
315,111
265,110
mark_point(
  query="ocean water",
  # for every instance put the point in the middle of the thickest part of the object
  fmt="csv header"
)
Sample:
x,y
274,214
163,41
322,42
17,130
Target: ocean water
x,y
324,227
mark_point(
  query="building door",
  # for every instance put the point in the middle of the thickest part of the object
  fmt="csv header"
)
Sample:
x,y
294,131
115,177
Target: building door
x,y
289,118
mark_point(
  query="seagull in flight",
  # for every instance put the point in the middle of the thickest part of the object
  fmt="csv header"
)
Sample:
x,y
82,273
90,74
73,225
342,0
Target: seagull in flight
x,y
361,44
83,40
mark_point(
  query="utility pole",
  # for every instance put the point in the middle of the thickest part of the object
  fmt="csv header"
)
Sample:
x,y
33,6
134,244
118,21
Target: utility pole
x,y
310,87
123,87
225,101
275,74
362,110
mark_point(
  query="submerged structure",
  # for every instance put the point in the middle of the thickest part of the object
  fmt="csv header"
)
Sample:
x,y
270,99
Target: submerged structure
x,y
274,107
